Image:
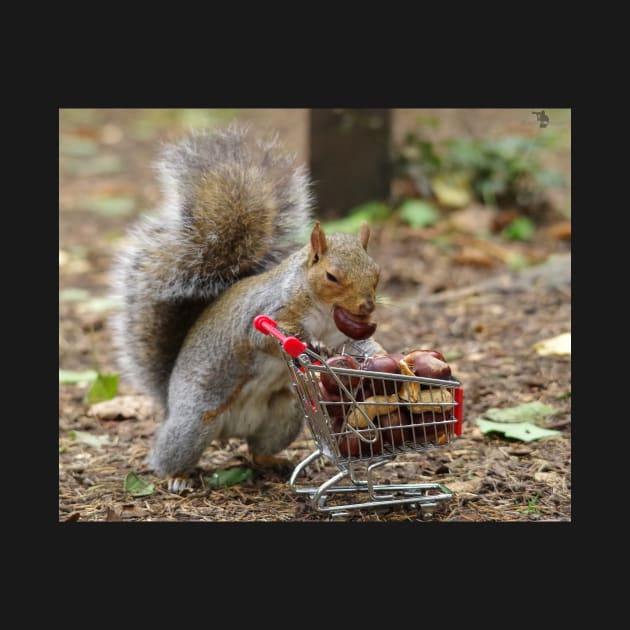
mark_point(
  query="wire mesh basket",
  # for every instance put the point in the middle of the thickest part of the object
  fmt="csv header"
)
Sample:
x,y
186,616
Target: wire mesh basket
x,y
361,420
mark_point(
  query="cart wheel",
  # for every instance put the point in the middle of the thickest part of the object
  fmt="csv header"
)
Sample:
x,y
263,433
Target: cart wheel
x,y
426,511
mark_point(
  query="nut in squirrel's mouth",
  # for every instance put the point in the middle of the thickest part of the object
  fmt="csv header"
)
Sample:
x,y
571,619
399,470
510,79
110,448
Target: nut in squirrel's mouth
x,y
356,326
359,318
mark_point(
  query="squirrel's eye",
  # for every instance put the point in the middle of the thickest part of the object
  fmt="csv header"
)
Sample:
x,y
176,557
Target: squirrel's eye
x,y
331,277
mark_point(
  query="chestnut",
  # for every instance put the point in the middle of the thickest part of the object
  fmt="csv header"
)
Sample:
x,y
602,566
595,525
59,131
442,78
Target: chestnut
x,y
351,445
428,428
427,365
394,428
340,361
352,325
388,364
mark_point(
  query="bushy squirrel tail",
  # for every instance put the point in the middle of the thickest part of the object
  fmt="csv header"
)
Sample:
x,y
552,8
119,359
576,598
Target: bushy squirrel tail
x,y
232,208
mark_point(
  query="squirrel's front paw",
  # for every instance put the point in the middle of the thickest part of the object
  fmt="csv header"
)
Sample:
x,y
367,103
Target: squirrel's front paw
x,y
179,484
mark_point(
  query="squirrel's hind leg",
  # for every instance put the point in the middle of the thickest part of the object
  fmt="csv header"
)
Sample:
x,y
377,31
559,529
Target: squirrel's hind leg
x,y
178,446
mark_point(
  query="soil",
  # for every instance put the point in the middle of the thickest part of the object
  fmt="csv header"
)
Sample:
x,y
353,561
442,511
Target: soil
x,y
446,287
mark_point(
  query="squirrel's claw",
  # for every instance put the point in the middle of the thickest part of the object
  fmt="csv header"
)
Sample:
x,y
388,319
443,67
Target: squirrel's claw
x,y
177,485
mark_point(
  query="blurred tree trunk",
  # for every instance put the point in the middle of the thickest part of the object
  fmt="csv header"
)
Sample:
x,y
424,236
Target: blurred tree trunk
x,y
350,158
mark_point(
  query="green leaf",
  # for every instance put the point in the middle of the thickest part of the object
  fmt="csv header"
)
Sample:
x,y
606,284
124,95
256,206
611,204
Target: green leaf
x,y
70,376
229,477
347,225
100,304
452,355
203,118
73,295
137,487
371,212
111,206
517,261
104,387
527,412
524,431
418,213
549,179
452,190
96,441
75,146
521,229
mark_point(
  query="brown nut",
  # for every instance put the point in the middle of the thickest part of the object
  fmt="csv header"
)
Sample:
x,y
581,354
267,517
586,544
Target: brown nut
x,y
332,402
351,445
354,326
429,427
394,428
387,364
435,353
427,365
339,361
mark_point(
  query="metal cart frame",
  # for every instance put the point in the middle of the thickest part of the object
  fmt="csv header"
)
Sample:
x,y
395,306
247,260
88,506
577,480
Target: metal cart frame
x,y
359,432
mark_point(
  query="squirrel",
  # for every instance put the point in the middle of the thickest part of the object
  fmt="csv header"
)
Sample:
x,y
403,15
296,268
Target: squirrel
x,y
224,248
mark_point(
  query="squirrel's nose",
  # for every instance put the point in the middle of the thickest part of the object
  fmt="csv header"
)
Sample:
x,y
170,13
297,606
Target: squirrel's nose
x,y
367,306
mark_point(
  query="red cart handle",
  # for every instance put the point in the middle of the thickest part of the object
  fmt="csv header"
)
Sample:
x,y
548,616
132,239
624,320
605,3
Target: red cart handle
x,y
291,345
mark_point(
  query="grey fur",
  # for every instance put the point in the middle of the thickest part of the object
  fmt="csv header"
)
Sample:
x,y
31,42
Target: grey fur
x,y
221,251
164,278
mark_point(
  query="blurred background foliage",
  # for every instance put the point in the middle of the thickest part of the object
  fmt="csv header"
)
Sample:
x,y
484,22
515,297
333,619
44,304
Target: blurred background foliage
x,y
485,171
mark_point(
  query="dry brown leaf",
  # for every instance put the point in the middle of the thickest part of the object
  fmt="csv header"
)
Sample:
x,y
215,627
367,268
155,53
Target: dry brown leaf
x,y
122,407
560,231
473,256
464,487
559,345
472,220
551,478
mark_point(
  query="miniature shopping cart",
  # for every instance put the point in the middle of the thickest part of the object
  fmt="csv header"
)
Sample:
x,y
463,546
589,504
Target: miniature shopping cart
x,y
373,417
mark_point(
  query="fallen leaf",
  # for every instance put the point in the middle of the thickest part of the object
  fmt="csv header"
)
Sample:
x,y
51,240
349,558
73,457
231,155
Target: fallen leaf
x,y
560,345
77,147
70,376
525,431
464,487
527,412
229,477
90,439
475,219
112,206
521,229
73,295
559,231
452,190
121,407
552,478
473,256
104,387
100,304
104,164
418,213
137,487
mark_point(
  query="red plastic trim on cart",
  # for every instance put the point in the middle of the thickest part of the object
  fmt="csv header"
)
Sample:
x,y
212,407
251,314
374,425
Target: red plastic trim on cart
x,y
459,409
291,345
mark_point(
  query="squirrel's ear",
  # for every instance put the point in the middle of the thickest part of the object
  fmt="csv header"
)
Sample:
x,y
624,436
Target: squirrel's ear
x,y
318,242
364,234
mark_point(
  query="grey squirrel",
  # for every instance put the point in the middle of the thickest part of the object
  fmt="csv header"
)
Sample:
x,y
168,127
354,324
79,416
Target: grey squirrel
x,y
223,249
